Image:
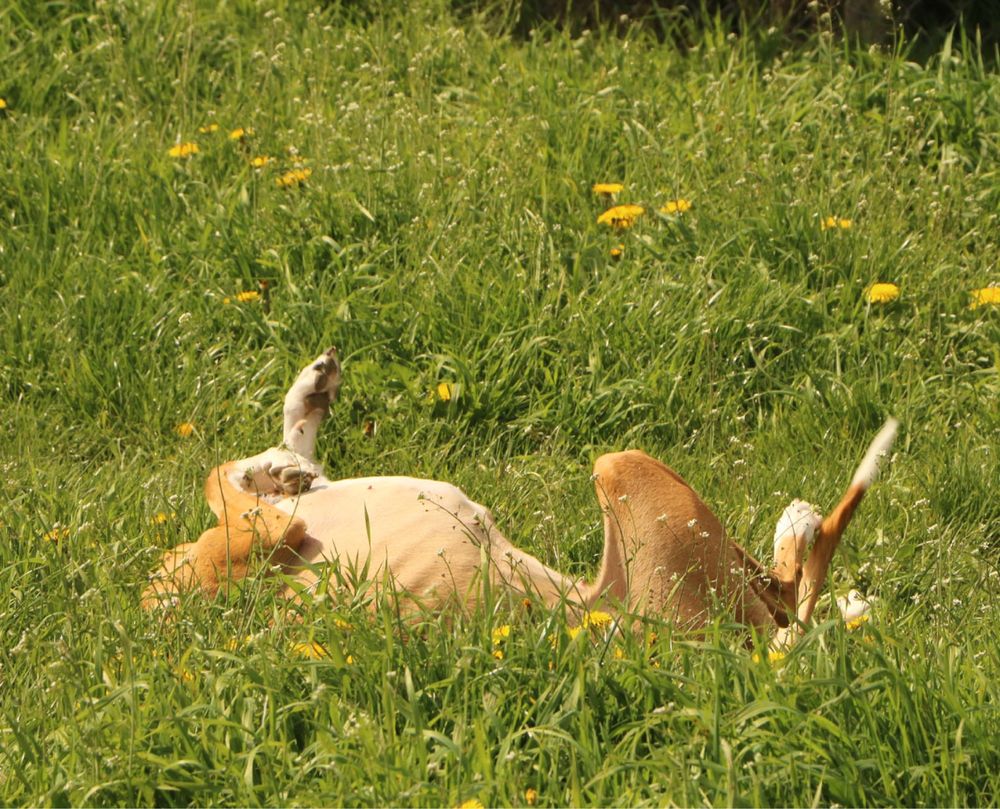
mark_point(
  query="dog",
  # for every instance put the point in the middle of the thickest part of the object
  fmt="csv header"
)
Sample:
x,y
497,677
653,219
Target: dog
x,y
665,553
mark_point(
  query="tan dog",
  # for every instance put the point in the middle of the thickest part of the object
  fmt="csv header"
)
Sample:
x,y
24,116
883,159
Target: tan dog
x,y
665,552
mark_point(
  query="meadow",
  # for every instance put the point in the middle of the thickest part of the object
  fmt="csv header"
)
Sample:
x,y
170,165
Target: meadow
x,y
198,197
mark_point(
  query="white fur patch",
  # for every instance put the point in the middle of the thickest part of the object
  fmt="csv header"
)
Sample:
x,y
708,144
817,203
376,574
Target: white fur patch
x,y
853,607
799,520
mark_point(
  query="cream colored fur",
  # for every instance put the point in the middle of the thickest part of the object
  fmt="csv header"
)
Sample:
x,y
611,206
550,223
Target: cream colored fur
x,y
665,552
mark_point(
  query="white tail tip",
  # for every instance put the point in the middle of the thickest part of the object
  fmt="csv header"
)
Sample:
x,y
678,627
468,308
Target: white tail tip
x,y
867,472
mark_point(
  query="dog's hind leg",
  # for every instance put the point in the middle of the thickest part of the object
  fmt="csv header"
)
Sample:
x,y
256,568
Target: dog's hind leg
x,y
854,609
794,532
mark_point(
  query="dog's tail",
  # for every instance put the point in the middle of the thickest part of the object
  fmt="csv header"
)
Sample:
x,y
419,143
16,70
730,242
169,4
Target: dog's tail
x,y
867,473
832,528
868,469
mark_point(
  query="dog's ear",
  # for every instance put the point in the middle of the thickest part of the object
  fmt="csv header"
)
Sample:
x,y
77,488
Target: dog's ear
x,y
175,574
249,529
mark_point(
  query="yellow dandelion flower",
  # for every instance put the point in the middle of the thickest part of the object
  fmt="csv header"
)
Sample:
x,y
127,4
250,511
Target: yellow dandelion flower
x,y
621,217
498,654
233,644
472,803
240,133
573,631
208,129
500,634
987,296
3,103
227,301
596,619
773,656
161,517
292,178
349,660
672,206
531,796
184,675
445,391
619,653
181,150
857,622
882,293
616,252
260,161
834,223
340,623
56,535
311,650
184,429
607,189
248,296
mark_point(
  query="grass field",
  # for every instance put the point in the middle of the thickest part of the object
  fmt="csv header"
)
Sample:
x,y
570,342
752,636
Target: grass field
x,y
442,228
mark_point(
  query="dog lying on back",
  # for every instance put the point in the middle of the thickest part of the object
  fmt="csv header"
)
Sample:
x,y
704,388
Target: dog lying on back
x,y
665,552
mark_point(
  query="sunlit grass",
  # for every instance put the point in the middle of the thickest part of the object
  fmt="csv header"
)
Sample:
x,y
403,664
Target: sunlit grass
x,y
429,203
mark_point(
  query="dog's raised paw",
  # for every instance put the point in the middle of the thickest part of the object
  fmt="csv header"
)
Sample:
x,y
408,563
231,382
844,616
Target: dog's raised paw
x,y
327,368
325,381
316,386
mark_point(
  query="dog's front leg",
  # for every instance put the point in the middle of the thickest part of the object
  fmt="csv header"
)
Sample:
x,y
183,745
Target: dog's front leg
x,y
274,474
290,469
308,401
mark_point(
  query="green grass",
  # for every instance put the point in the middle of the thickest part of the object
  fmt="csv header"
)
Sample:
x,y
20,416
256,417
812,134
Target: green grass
x,y
448,233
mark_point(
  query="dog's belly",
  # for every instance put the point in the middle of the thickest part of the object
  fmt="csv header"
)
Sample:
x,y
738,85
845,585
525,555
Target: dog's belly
x,y
433,541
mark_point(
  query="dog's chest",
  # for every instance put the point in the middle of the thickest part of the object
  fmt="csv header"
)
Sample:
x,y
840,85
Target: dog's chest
x,y
428,534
